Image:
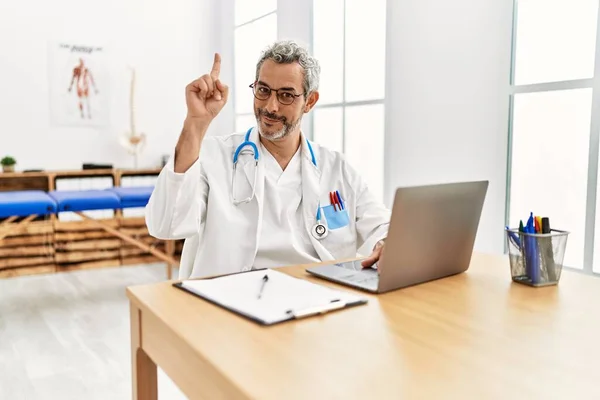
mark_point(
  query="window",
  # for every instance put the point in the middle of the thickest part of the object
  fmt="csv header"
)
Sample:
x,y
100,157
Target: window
x,y
349,42
256,28
549,161
555,40
552,110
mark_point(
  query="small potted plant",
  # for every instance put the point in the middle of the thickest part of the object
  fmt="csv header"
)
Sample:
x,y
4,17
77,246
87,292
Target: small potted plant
x,y
8,164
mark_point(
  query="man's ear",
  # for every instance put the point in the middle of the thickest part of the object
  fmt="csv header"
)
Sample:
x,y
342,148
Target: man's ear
x,y
312,99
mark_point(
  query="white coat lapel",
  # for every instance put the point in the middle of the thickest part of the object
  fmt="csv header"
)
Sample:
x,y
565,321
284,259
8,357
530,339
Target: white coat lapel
x,y
311,189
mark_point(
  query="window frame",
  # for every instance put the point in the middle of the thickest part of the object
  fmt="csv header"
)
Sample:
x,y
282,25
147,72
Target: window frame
x,y
344,104
594,138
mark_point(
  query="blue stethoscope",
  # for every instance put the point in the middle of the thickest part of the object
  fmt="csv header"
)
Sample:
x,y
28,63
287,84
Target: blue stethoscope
x,y
319,230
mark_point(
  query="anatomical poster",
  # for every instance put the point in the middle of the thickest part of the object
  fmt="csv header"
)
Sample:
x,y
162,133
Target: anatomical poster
x,y
79,80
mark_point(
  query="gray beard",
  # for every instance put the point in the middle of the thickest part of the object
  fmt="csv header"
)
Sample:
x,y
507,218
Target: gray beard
x,y
280,134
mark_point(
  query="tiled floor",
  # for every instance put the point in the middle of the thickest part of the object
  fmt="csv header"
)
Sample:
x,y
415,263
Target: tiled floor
x,y
66,336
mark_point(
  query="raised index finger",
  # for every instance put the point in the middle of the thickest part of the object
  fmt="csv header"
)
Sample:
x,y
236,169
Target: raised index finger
x,y
216,68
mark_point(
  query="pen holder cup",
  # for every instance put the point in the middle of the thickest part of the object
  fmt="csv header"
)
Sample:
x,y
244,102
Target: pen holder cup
x,y
536,259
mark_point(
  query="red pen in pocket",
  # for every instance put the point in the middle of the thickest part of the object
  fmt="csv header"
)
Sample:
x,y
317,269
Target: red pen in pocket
x,y
332,200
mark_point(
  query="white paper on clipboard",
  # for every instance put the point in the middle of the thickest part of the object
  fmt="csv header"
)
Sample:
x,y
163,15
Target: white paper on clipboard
x,y
283,297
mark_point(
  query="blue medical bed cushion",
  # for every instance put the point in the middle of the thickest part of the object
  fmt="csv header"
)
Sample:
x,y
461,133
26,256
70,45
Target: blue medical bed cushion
x,y
133,196
22,203
83,200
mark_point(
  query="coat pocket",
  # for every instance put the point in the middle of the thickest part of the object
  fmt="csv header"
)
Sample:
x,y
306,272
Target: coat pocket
x,y
336,219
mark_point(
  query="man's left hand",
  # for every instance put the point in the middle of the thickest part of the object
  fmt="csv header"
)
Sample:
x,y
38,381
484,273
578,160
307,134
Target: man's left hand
x,y
374,257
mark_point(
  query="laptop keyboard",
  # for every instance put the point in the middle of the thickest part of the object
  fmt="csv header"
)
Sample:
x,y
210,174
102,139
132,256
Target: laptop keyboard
x,y
361,277
353,274
364,276
352,265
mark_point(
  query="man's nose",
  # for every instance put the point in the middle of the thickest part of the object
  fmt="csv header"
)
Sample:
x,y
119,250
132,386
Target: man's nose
x,y
273,103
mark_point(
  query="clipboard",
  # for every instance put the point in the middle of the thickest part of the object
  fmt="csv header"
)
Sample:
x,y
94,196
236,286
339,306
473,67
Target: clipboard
x,y
282,298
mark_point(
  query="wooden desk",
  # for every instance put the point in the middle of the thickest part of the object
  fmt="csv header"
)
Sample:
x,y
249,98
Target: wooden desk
x,y
472,336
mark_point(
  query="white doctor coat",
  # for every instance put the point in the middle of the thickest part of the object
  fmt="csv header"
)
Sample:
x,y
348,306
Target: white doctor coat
x,y
222,238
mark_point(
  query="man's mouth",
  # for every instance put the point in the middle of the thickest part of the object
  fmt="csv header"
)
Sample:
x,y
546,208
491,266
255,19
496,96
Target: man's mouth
x,y
270,120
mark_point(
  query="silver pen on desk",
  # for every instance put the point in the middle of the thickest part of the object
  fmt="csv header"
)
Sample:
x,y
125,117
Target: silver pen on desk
x,y
262,285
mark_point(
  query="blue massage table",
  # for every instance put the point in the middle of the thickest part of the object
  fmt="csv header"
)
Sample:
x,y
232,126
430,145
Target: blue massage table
x,y
25,203
133,196
33,203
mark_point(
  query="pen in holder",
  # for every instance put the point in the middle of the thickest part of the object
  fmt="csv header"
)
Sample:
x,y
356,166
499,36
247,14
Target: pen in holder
x,y
536,259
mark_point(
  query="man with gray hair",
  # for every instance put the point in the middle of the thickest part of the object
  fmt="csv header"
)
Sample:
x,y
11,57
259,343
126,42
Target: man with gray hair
x,y
267,197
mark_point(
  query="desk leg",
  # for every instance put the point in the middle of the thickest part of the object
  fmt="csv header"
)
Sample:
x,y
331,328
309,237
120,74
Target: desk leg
x,y
143,373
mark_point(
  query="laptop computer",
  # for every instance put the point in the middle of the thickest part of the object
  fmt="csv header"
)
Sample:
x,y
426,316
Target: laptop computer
x,y
431,236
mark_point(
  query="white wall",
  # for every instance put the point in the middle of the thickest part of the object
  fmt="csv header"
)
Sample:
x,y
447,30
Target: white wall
x,y
447,70
223,31
170,44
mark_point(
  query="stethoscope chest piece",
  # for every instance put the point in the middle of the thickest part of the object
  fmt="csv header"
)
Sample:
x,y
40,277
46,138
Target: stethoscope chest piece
x,y
319,231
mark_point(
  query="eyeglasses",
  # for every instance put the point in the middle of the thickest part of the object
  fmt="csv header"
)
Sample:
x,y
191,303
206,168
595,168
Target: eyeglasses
x,y
284,96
